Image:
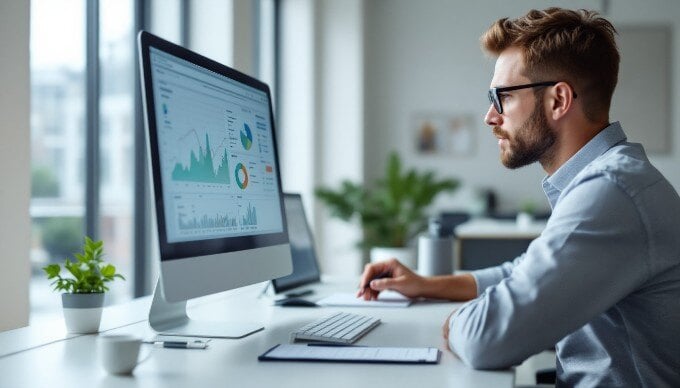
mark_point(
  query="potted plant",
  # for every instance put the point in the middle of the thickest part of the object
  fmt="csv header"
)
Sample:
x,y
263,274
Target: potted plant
x,y
391,212
83,295
525,217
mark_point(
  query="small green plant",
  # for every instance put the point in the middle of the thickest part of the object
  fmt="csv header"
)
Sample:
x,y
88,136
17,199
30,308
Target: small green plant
x,y
89,271
392,212
528,207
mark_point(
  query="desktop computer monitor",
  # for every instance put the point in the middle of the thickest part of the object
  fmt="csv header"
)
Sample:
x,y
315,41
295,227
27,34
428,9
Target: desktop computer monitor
x,y
216,183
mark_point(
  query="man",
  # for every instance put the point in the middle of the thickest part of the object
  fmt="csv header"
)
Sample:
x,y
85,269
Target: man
x,y
603,279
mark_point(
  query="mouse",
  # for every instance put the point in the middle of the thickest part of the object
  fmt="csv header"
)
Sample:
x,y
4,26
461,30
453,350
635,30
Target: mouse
x,y
295,302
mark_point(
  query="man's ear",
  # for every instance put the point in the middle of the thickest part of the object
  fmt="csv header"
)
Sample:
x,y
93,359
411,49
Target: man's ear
x,y
562,100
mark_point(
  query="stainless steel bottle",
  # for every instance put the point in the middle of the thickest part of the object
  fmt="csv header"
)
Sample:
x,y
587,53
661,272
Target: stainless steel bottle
x,y
435,250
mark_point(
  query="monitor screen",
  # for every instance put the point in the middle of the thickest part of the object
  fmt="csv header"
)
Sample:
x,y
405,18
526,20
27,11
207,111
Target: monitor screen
x,y
216,151
215,173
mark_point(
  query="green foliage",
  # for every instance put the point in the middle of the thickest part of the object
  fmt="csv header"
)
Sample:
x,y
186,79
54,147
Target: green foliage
x,y
528,207
393,211
61,236
89,273
43,182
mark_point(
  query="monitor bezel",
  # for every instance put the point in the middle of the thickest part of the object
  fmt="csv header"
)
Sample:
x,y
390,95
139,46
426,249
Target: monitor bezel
x,y
188,249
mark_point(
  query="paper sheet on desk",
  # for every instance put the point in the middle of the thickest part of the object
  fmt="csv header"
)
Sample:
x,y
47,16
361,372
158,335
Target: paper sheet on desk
x,y
385,299
292,352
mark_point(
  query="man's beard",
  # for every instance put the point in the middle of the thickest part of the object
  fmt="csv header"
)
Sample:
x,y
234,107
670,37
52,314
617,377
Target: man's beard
x,y
532,140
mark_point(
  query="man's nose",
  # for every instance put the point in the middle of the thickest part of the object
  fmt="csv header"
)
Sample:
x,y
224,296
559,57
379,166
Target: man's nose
x,y
492,118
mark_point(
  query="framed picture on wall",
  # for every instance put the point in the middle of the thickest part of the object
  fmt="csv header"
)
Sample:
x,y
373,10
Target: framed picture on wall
x,y
443,134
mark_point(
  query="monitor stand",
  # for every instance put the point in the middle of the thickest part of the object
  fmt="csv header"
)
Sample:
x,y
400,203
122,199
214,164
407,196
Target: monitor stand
x,y
168,318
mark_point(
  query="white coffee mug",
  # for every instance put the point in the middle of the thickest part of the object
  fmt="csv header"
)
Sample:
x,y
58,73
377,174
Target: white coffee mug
x,y
120,353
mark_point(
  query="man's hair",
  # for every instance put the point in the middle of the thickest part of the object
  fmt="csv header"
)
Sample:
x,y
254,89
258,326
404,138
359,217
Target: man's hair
x,y
577,47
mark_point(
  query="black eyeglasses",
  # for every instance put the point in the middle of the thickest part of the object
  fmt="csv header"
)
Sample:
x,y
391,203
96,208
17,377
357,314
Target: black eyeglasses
x,y
495,99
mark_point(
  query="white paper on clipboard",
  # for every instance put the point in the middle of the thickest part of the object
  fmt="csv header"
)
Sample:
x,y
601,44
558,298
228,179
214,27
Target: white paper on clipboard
x,y
347,299
369,354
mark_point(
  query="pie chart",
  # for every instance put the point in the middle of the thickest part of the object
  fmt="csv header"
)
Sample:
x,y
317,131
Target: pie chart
x,y
246,137
241,175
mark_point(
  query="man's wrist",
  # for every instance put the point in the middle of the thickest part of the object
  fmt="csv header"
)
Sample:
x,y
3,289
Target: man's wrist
x,y
453,287
428,288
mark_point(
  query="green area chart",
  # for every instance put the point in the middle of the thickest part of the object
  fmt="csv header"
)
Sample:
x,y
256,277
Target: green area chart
x,y
200,168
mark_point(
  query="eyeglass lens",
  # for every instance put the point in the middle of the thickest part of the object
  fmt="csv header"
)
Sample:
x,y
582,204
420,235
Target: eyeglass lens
x,y
493,99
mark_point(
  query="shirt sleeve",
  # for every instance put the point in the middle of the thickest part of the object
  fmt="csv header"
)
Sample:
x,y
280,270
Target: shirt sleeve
x,y
590,255
493,275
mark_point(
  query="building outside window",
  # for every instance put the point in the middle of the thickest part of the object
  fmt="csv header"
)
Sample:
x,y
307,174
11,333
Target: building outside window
x,y
57,141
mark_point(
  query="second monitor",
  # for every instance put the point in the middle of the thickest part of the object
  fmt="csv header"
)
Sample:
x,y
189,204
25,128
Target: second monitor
x,y
305,263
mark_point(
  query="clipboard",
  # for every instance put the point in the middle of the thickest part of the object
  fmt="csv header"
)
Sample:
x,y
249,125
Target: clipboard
x,y
351,354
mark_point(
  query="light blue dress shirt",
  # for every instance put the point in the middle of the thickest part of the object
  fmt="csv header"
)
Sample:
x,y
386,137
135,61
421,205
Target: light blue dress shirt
x,y
602,281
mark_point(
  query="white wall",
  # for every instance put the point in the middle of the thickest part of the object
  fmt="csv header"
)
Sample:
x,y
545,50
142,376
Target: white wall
x,y
164,15
222,30
15,162
298,106
659,12
211,29
244,36
425,56
321,115
339,137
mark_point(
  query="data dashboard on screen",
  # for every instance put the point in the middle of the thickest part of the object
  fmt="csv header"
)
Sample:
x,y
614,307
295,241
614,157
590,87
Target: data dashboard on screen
x,y
216,153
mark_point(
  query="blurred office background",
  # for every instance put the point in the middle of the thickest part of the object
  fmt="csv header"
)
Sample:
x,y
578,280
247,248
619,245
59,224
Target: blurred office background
x,y
352,80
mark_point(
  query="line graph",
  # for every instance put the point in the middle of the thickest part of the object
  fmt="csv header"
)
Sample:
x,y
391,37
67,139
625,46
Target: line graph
x,y
201,167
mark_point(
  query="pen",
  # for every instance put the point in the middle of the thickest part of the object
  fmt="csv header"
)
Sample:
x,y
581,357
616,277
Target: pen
x,y
179,344
382,275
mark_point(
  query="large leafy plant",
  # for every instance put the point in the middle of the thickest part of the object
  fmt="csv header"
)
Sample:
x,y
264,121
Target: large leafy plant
x,y
89,273
393,211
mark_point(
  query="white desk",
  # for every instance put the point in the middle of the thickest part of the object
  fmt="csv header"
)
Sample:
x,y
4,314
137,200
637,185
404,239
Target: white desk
x,y
490,228
73,361
482,243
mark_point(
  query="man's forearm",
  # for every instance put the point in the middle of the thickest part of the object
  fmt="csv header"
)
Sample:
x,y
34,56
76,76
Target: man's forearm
x,y
452,287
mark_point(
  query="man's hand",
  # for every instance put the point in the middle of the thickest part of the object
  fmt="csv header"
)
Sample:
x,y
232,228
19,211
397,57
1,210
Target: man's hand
x,y
389,275
392,275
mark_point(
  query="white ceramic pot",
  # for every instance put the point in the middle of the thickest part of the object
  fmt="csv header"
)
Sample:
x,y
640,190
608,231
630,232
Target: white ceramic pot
x,y
82,312
524,220
406,256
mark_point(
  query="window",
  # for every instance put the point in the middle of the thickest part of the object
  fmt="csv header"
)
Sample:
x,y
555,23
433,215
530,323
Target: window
x,y
116,137
88,168
57,139
267,51
71,184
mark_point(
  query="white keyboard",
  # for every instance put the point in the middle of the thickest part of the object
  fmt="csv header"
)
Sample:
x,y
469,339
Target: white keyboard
x,y
344,328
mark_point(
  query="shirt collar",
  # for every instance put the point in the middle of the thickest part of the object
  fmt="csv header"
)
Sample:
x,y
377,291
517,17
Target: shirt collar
x,y
606,139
